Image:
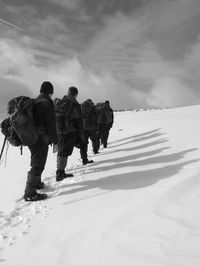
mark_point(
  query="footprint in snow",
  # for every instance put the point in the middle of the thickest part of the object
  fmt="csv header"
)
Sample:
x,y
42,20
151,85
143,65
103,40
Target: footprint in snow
x,y
18,222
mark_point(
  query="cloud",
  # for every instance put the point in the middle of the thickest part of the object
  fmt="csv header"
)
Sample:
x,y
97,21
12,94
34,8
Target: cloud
x,y
46,30
155,48
171,92
191,61
70,4
21,69
11,89
21,74
93,85
136,54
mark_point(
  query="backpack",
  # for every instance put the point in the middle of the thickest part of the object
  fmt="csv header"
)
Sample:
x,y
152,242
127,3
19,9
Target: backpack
x,y
87,109
104,114
100,107
89,114
109,115
20,128
64,109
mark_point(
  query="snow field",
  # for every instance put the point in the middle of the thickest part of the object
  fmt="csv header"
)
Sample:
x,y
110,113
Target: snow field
x,y
138,204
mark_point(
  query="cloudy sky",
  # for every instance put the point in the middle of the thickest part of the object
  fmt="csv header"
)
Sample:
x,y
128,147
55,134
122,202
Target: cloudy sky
x,y
136,53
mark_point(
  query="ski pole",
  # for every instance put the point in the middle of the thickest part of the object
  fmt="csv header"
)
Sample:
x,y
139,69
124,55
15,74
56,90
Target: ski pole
x,y
3,146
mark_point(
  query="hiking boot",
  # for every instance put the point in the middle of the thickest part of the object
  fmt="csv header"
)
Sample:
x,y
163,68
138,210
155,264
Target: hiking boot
x,y
35,197
105,145
88,161
60,175
68,175
41,185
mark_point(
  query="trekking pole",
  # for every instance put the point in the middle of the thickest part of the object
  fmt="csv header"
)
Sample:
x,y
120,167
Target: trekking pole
x,y
3,146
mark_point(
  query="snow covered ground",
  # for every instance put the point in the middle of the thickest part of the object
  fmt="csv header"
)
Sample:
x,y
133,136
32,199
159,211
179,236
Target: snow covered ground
x,y
138,204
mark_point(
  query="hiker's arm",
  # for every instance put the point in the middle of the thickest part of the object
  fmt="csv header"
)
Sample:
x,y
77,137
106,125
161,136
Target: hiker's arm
x,y
45,117
79,123
51,124
112,116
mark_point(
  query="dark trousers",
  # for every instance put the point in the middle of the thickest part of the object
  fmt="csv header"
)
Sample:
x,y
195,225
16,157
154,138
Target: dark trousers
x,y
39,152
104,134
66,143
93,136
83,152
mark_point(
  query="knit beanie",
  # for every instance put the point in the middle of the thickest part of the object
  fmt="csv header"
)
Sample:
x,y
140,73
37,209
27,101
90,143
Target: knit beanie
x,y
46,88
73,91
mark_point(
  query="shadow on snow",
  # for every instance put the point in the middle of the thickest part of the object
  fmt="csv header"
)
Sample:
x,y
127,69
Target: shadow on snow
x,y
132,179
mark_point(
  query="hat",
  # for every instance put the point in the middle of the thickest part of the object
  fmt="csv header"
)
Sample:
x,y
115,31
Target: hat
x,y
46,87
73,91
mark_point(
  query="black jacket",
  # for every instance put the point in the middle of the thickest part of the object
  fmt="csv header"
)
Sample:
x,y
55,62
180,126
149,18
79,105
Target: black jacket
x,y
45,117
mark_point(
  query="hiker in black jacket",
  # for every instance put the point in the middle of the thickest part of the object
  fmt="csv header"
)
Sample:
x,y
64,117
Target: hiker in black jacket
x,y
105,121
45,119
69,129
90,126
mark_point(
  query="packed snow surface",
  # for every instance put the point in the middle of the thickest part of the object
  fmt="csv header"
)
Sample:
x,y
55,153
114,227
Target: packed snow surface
x,y
138,204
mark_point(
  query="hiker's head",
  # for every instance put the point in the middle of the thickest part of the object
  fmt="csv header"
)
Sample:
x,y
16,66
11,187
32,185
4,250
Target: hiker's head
x,y
46,88
89,101
107,103
73,91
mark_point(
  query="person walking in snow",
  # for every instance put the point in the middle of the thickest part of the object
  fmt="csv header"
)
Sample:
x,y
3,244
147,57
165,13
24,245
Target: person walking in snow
x,y
105,121
89,116
45,119
69,129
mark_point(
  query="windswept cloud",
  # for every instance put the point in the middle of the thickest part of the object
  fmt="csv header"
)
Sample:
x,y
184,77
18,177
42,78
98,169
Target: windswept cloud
x,y
21,75
146,51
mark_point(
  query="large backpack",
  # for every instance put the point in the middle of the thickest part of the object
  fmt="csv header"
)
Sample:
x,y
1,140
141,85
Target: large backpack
x,y
20,128
100,107
89,113
64,109
104,114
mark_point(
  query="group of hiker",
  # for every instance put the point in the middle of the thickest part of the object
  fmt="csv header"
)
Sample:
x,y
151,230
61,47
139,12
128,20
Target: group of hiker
x,y
64,123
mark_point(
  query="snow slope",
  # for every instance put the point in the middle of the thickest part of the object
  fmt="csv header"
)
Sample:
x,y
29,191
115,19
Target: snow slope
x,y
138,204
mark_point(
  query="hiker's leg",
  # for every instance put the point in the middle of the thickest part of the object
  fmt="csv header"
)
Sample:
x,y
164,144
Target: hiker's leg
x,y
39,152
106,135
61,162
103,135
97,139
65,148
83,152
94,140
